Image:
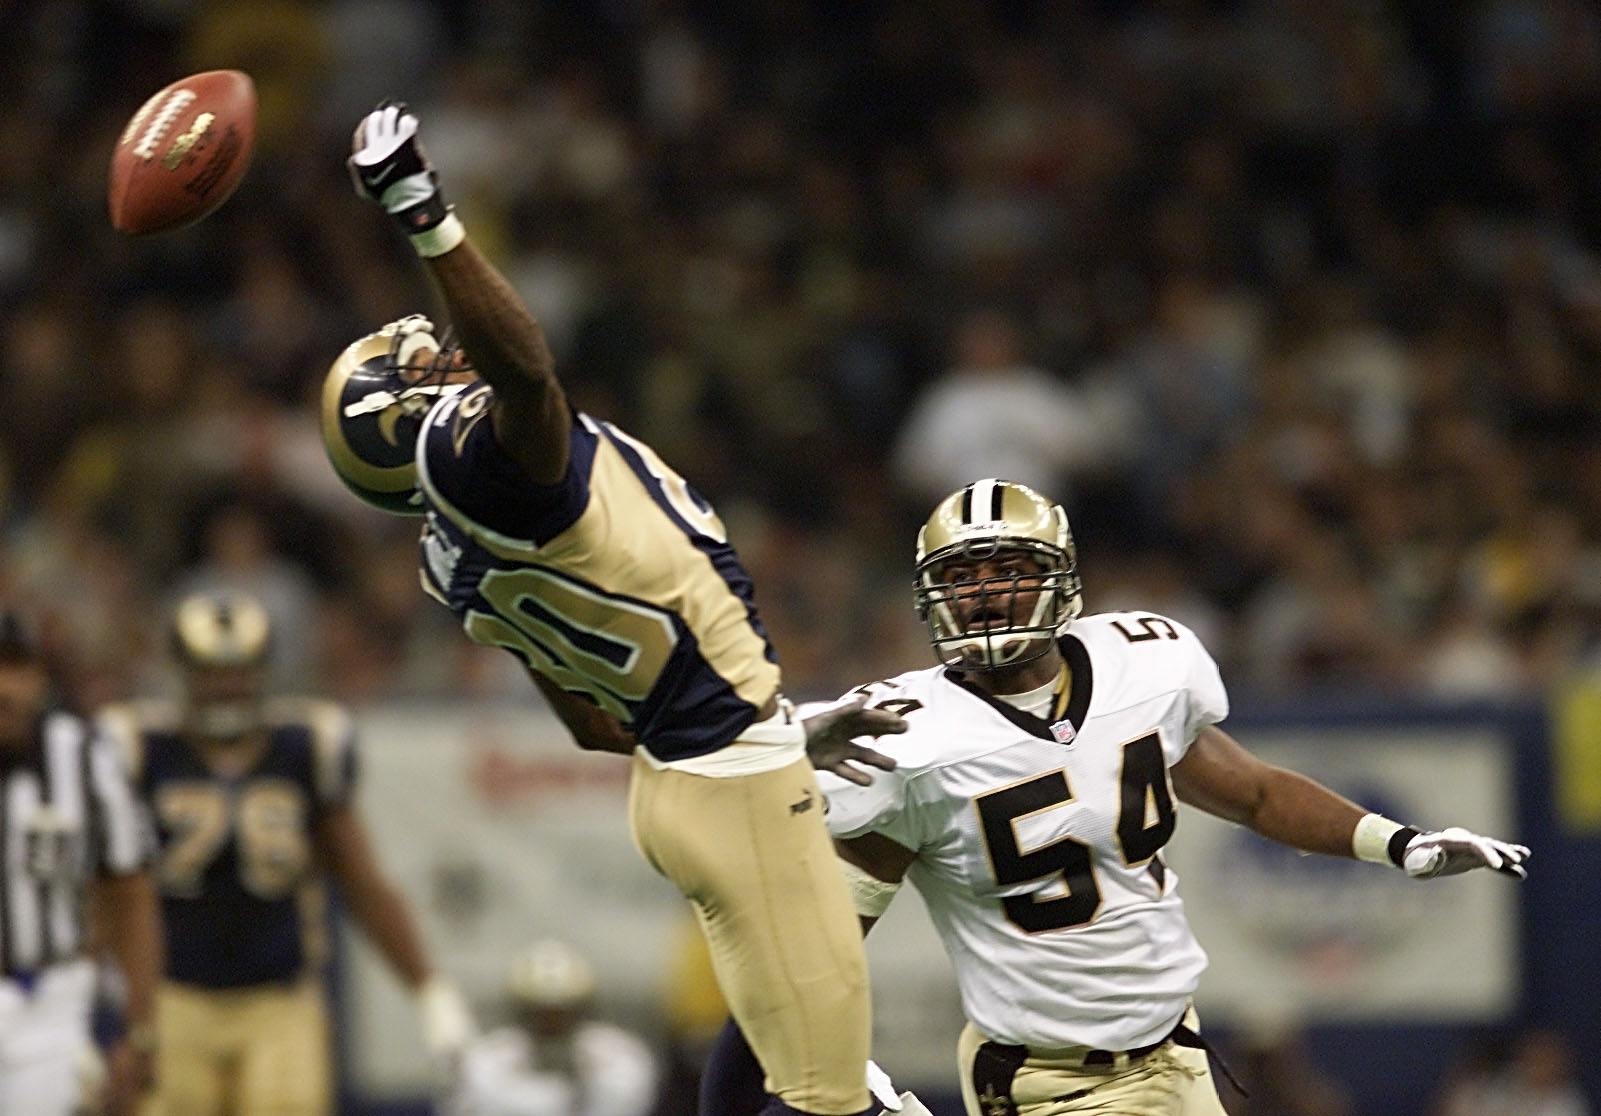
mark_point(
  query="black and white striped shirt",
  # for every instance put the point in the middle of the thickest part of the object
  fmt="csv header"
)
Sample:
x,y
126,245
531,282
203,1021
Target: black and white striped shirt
x,y
67,815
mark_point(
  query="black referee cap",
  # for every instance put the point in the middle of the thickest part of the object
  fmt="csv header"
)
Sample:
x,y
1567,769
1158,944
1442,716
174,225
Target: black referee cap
x,y
17,644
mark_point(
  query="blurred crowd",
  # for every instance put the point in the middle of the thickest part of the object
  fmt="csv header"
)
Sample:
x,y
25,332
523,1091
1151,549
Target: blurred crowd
x,y
1295,304
1513,1072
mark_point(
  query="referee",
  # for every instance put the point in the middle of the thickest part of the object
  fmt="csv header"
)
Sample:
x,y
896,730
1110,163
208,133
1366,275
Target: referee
x,y
72,839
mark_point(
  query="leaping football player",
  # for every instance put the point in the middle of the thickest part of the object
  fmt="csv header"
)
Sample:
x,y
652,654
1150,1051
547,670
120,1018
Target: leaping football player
x,y
559,537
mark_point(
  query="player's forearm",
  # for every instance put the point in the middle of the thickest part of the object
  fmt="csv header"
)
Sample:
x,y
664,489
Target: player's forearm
x,y
593,729
507,348
1304,814
382,916
501,337
133,924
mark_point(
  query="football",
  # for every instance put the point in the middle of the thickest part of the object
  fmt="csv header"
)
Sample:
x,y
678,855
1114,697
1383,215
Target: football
x,y
183,153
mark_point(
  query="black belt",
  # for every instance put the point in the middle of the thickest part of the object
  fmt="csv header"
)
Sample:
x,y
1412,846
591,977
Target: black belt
x,y
1180,1035
996,1063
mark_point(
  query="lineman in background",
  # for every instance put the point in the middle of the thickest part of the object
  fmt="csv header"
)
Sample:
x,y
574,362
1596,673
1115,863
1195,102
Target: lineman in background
x,y
253,805
71,834
553,1059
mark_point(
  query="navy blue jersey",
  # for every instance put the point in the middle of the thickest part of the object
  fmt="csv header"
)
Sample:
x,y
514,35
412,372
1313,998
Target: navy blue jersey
x,y
241,895
617,583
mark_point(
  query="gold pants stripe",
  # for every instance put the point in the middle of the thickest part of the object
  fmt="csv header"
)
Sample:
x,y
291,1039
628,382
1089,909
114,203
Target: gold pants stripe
x,y
242,1052
753,856
1171,1081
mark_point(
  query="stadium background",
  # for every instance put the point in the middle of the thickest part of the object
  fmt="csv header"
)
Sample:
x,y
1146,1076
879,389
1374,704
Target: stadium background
x,y
1306,298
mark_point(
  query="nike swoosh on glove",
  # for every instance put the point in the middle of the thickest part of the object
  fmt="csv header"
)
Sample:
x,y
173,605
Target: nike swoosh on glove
x,y
1451,851
389,166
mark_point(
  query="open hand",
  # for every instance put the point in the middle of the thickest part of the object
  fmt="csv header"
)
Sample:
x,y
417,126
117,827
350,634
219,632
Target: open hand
x,y
831,739
1455,850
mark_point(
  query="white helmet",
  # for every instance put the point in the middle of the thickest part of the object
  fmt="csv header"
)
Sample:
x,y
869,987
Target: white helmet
x,y
985,519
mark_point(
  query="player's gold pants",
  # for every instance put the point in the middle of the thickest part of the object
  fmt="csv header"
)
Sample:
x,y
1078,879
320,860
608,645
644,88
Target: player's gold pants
x,y
242,1051
1171,1081
753,856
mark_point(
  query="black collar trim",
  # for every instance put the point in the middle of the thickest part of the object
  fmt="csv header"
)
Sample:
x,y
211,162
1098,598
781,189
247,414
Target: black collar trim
x,y
1077,657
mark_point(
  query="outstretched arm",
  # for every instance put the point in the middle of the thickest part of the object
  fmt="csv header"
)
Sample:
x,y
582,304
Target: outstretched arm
x,y
831,736
1222,778
499,334
507,348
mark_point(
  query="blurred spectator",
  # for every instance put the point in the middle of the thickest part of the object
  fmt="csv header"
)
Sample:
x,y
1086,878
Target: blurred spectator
x,y
993,414
1533,1077
1283,1078
1191,374
1302,303
43,395
554,1058
239,553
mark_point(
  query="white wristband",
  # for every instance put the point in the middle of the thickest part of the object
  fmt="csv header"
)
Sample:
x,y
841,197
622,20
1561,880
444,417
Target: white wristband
x,y
870,894
441,238
1371,840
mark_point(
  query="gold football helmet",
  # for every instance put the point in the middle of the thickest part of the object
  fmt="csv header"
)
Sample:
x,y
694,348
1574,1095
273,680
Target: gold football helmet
x,y
550,974
995,519
222,641
374,401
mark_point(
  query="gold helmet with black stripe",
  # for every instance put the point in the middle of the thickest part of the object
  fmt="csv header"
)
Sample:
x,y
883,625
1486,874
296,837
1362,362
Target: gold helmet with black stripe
x,y
222,641
224,629
374,400
984,623
550,975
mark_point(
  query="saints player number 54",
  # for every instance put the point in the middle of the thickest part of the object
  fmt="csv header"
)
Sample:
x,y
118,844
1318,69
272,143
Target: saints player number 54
x,y
1145,823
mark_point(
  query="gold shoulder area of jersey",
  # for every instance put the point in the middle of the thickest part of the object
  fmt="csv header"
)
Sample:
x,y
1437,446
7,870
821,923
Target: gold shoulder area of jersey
x,y
322,715
140,715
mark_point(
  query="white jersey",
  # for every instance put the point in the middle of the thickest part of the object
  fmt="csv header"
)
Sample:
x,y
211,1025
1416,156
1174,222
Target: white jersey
x,y
1038,838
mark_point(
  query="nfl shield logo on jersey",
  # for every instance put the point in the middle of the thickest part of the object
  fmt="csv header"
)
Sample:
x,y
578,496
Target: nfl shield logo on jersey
x,y
1063,731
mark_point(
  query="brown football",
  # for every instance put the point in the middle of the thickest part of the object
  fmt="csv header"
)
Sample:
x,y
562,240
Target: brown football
x,y
183,153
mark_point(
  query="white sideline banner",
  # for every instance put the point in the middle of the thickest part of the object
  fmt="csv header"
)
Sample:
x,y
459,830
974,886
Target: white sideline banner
x,y
1303,939
499,830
